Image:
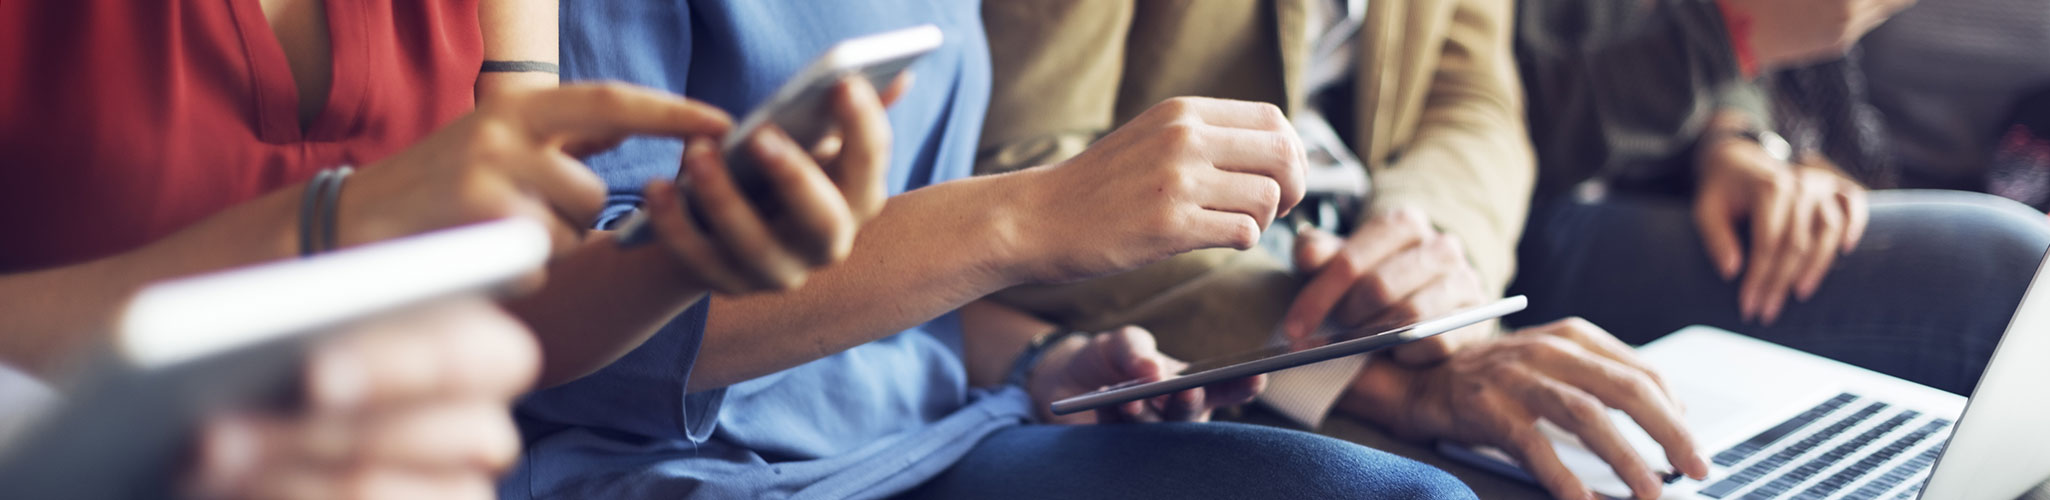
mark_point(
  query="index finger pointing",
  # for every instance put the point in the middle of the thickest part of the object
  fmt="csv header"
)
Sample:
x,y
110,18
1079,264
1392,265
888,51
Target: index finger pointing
x,y
610,111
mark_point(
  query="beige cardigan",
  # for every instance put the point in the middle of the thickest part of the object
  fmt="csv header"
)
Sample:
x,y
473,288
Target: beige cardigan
x,y
1442,121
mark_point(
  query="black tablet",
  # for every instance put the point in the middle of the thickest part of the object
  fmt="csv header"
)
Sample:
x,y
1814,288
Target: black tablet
x,y
1281,357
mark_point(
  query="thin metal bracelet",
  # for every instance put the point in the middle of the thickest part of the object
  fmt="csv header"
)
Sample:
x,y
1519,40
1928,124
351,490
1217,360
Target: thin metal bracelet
x,y
309,204
330,200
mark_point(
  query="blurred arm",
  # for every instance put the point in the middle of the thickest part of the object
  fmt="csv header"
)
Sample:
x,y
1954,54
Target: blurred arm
x,y
1623,88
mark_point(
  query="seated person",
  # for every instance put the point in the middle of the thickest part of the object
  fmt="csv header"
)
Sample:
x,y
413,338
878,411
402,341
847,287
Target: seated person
x,y
883,376
176,139
1661,202
1521,375
1437,235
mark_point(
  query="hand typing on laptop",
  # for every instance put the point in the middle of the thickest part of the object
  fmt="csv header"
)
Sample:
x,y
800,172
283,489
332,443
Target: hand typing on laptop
x,y
1568,372
1469,386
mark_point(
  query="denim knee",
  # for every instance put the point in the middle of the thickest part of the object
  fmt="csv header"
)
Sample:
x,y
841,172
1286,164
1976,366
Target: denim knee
x,y
2001,237
1354,471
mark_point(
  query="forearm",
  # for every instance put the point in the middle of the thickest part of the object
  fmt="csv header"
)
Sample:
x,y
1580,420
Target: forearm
x,y
930,251
48,317
1621,93
601,302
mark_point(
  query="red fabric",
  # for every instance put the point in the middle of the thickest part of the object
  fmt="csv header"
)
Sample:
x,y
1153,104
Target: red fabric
x,y
1738,24
123,121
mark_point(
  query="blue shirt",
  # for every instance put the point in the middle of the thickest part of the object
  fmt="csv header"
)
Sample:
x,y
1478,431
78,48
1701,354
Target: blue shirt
x,y
872,421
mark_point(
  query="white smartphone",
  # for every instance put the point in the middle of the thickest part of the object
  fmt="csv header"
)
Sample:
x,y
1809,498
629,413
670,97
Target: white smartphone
x,y
1278,358
187,348
803,108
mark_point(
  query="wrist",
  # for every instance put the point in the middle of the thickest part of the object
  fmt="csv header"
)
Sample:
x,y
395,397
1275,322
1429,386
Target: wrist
x,y
1034,371
1388,395
1008,233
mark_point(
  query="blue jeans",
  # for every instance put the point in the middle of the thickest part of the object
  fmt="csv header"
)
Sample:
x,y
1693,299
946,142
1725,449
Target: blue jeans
x,y
1924,297
1182,460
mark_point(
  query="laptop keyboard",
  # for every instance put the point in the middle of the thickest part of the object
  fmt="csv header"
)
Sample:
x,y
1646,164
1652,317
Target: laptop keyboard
x,y
1751,446
1796,470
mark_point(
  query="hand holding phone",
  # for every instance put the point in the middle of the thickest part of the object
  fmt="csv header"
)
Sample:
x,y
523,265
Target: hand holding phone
x,y
802,111
785,191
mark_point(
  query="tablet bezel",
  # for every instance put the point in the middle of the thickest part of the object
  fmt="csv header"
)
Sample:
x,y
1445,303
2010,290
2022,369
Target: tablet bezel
x,y
1130,391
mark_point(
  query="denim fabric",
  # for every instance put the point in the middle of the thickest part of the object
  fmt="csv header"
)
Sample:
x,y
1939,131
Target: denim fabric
x,y
1182,460
1924,297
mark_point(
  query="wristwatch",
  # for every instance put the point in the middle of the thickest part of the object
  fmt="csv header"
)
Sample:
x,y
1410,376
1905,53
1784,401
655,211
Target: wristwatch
x,y
1775,146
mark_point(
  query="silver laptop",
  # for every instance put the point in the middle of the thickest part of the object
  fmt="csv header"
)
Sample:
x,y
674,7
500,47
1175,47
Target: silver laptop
x,y
1778,423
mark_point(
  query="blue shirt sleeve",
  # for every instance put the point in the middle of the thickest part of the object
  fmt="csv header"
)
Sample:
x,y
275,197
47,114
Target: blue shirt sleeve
x,y
643,393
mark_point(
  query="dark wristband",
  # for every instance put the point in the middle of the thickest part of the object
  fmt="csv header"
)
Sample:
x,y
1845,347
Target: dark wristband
x,y
1021,368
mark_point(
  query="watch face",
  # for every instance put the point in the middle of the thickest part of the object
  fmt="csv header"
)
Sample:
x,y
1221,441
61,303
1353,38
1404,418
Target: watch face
x,y
1776,146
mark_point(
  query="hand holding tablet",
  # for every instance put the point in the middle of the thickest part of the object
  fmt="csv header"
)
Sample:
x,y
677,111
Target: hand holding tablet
x,y
1278,358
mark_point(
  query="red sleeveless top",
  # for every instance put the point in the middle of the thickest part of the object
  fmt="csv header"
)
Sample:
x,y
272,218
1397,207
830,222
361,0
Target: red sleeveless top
x,y
123,121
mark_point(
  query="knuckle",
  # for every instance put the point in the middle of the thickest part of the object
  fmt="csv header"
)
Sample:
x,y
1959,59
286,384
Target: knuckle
x,y
492,135
610,95
841,247
481,200
1639,386
1287,147
784,282
1378,290
1576,324
1174,107
1583,410
1800,244
1405,312
1345,265
1273,117
1182,134
1270,194
1549,347
1246,235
